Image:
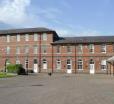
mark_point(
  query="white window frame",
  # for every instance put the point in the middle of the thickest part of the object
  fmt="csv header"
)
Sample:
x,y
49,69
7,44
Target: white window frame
x,y
17,61
69,63
80,49
91,48
18,37
26,49
17,50
44,36
26,37
8,49
69,49
103,48
35,37
44,49
8,38
35,49
80,64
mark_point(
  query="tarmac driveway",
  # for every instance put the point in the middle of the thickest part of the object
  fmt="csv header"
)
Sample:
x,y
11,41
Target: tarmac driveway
x,y
57,89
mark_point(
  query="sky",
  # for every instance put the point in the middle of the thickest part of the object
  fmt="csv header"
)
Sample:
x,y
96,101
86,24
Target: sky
x,y
66,17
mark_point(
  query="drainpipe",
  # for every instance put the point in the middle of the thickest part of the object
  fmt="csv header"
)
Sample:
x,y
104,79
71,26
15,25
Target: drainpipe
x,y
39,53
75,59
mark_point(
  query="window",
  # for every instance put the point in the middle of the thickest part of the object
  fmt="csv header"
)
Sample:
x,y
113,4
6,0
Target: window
x,y
80,49
26,49
44,49
69,64
18,37
17,50
80,64
58,49
103,48
35,49
91,48
44,36
26,37
8,50
103,64
69,49
17,61
35,37
8,38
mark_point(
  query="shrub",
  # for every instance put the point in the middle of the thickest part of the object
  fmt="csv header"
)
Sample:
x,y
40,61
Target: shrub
x,y
16,68
11,68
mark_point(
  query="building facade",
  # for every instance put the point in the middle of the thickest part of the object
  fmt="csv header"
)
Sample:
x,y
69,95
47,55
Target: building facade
x,y
42,50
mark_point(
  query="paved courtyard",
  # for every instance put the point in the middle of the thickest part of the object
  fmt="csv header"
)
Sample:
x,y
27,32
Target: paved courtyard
x,y
57,89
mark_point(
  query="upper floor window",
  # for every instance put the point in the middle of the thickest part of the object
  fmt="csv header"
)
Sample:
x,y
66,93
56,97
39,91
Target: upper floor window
x,y
44,48
69,49
26,49
44,36
35,49
26,37
8,38
80,48
103,48
18,37
91,48
58,49
17,50
35,37
7,50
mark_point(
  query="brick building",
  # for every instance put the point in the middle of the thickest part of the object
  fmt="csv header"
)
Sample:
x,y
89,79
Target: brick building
x,y
42,50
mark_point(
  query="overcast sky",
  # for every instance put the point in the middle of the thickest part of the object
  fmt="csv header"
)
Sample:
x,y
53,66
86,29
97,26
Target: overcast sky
x,y
67,17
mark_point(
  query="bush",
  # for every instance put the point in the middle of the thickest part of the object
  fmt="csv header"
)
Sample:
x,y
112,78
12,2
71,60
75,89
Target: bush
x,y
16,68
11,68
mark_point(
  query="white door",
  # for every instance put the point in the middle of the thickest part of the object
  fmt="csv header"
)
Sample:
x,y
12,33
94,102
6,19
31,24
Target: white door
x,y
69,66
44,64
35,66
92,68
58,64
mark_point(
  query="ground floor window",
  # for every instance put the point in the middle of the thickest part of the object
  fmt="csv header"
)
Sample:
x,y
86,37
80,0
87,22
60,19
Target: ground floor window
x,y
103,65
69,64
17,61
80,64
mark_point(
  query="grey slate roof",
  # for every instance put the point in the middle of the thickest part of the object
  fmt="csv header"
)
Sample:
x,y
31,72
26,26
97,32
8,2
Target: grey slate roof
x,y
25,30
88,39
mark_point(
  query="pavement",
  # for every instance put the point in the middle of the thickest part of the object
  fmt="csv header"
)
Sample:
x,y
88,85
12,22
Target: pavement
x,y
57,89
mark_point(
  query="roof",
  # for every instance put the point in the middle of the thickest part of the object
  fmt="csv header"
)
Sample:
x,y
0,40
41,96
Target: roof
x,y
25,30
88,39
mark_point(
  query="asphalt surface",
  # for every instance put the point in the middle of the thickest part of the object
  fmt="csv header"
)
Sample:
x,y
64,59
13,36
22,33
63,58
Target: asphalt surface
x,y
57,89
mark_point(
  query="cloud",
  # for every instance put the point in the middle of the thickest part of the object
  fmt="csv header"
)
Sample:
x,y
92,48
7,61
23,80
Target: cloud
x,y
14,11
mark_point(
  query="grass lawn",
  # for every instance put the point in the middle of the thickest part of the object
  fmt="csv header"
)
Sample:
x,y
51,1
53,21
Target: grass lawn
x,y
6,75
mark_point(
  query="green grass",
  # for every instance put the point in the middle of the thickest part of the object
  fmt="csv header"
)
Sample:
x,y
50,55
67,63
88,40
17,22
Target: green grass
x,y
6,75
